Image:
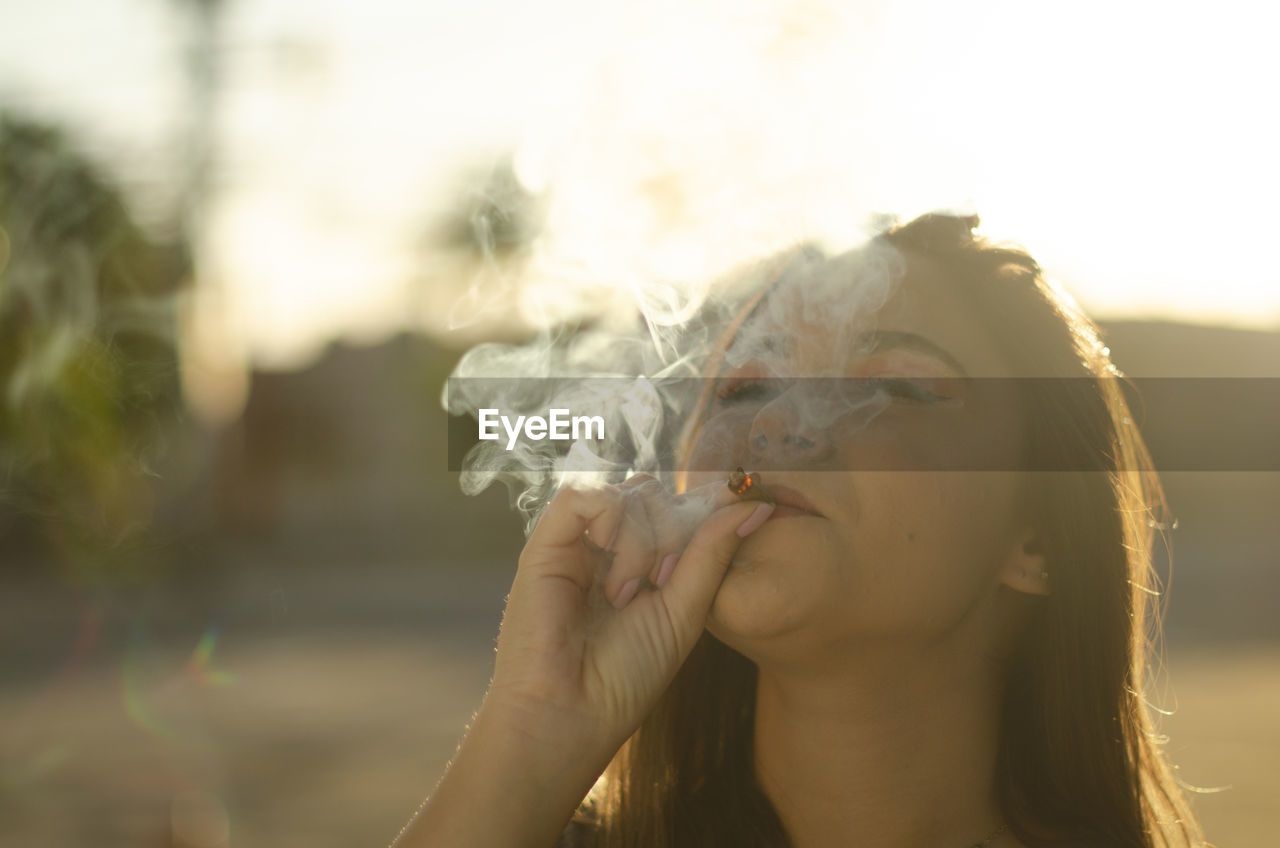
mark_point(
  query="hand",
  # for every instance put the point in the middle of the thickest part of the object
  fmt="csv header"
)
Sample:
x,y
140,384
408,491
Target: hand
x,y
611,592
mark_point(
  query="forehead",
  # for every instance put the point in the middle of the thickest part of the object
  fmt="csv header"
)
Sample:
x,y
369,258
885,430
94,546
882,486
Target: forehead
x,y
916,312
932,304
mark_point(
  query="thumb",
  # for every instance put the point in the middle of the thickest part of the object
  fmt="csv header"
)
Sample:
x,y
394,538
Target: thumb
x,y
701,568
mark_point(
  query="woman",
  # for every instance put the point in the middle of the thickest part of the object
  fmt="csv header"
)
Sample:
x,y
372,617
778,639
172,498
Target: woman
x,y
908,650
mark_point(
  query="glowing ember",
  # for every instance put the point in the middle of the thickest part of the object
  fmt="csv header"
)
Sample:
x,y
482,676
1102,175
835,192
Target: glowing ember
x,y
747,486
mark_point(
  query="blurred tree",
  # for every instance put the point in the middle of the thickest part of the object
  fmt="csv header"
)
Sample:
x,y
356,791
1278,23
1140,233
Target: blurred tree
x,y
88,371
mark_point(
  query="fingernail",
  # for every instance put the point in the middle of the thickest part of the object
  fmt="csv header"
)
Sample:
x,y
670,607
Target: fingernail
x,y
664,571
757,518
628,592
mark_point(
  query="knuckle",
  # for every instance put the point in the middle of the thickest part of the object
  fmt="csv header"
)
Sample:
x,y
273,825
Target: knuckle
x,y
635,515
651,488
566,491
579,498
657,499
640,479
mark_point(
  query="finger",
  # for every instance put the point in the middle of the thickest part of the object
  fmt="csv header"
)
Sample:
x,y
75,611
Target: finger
x,y
714,494
556,545
669,531
677,517
633,552
653,498
671,520
701,568
711,495
703,500
639,480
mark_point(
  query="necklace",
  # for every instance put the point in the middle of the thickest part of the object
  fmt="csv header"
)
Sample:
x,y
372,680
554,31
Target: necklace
x,y
984,843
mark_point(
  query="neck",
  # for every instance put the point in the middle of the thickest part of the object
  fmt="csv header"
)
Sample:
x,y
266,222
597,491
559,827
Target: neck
x,y
891,752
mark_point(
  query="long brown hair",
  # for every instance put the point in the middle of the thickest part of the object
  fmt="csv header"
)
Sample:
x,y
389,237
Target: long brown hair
x,y
1079,760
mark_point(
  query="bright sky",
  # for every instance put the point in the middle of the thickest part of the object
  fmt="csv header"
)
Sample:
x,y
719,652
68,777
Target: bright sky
x,y
1130,146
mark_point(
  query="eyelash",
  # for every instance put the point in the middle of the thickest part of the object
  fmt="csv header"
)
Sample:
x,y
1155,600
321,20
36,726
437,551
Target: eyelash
x,y
744,389
738,390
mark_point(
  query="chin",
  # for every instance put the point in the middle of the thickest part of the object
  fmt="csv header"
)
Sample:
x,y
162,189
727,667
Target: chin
x,y
741,624
750,601
778,583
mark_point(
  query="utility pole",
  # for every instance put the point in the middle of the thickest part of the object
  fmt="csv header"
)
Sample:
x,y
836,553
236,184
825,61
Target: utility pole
x,y
214,367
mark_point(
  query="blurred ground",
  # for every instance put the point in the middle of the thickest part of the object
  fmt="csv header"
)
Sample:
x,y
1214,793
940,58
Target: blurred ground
x,y
315,720
308,723
1224,737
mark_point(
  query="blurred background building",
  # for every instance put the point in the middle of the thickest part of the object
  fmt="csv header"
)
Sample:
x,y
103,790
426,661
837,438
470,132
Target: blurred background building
x,y
243,244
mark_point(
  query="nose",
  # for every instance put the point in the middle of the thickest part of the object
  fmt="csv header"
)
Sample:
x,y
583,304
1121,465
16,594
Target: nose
x,y
780,436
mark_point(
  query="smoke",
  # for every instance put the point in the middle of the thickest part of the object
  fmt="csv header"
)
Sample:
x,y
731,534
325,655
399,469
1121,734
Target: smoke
x,y
648,369
610,229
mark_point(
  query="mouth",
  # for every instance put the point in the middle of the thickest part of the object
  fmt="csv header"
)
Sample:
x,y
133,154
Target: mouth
x,y
787,502
791,502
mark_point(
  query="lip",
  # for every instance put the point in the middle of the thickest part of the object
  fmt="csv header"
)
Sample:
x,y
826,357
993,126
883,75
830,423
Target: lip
x,y
791,502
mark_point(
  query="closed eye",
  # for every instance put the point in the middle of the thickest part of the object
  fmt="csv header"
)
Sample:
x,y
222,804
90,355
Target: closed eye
x,y
736,390
740,389
916,390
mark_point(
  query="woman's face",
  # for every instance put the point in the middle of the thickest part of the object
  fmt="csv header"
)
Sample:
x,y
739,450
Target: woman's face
x,y
906,550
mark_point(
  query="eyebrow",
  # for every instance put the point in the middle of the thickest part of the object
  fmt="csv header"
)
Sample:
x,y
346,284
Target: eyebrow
x,y
881,340
877,341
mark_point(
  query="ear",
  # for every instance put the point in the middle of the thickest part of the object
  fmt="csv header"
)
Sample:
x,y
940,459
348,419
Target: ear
x,y
1026,569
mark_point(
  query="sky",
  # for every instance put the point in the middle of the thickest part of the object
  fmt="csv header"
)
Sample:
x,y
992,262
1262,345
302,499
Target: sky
x,y
1130,146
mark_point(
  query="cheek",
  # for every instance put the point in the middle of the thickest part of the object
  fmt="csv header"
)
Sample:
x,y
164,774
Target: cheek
x,y
924,545
910,558
720,441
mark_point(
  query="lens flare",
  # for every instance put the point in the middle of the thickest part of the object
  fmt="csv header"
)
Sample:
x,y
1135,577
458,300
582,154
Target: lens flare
x,y
198,671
